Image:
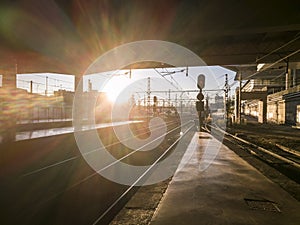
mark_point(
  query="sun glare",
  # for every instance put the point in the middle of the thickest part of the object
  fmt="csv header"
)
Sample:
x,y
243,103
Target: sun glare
x,y
112,95
114,87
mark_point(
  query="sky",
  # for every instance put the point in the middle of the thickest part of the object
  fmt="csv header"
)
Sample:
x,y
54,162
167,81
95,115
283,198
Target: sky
x,y
112,82
54,81
162,79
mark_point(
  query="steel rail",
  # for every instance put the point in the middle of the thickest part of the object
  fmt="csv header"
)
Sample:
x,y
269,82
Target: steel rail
x,y
111,164
77,157
142,176
277,156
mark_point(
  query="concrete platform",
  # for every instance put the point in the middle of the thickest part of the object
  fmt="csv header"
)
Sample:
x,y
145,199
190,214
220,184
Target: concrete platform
x,y
229,191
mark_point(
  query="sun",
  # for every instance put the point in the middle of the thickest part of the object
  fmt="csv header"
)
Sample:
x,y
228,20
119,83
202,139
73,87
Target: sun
x,y
114,87
112,95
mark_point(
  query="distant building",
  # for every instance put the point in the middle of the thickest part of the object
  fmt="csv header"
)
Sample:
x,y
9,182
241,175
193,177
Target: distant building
x,y
218,104
281,103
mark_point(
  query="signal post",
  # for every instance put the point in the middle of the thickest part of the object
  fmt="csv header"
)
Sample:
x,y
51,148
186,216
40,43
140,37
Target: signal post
x,y
200,97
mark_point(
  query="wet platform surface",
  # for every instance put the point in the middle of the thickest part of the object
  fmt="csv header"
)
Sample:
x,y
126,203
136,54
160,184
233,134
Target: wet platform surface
x,y
228,191
26,135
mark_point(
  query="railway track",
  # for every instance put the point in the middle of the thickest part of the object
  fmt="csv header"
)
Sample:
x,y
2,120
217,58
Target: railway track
x,y
285,160
146,172
140,131
51,182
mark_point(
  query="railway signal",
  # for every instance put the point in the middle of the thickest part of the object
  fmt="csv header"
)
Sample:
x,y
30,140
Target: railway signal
x,y
200,97
200,106
154,104
201,81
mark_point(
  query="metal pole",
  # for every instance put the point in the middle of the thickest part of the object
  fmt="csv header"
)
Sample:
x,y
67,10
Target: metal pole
x,y
287,76
46,91
206,106
169,97
89,86
181,110
148,97
226,98
240,99
200,113
31,86
200,122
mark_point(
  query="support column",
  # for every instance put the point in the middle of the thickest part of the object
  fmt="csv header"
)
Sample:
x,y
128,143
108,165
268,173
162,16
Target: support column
x,y
9,108
294,77
78,104
76,81
264,100
287,77
9,80
262,97
236,105
240,98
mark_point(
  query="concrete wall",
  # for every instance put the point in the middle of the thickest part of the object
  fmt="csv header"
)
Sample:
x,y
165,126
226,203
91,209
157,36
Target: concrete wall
x,y
281,108
291,103
298,116
276,111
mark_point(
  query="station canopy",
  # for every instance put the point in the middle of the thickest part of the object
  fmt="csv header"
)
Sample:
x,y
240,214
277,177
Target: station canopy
x,y
66,36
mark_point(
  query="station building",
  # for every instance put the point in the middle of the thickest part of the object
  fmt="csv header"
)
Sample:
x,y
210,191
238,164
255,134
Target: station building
x,y
271,95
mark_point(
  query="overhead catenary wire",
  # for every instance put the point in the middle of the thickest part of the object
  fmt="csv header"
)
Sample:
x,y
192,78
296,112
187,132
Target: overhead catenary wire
x,y
165,78
173,72
56,84
43,84
272,64
284,45
178,87
51,78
